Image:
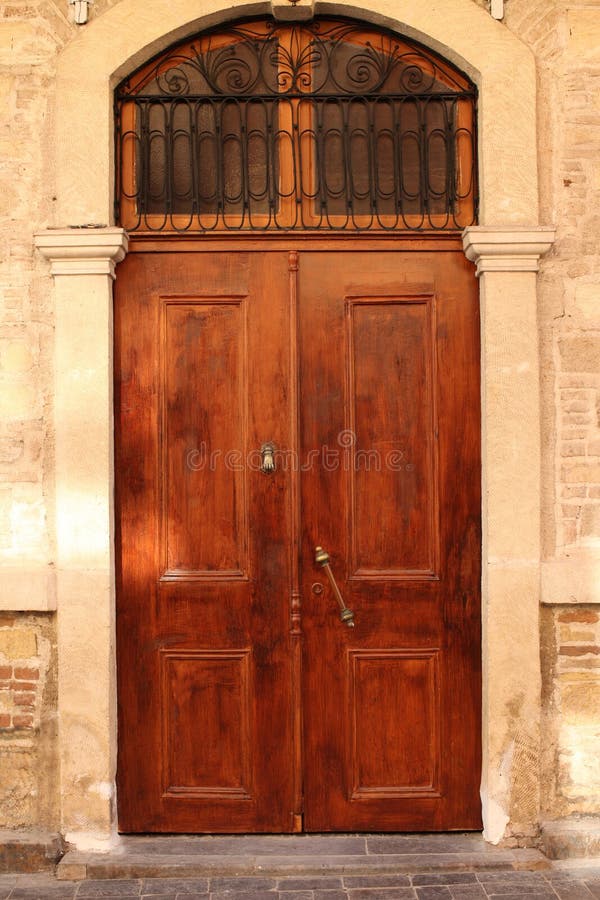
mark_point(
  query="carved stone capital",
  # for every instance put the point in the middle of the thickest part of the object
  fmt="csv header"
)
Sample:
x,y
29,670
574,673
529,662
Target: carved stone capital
x,y
83,251
507,249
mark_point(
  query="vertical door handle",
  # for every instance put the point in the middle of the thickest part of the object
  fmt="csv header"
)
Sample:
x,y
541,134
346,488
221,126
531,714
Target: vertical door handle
x,y
322,559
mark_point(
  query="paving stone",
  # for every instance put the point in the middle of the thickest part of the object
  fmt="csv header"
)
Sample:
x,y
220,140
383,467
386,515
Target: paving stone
x,y
167,896
313,882
467,892
515,877
180,896
243,895
187,896
330,895
571,890
38,895
434,892
380,881
7,883
118,887
43,890
519,894
509,889
244,883
382,894
174,886
284,894
446,878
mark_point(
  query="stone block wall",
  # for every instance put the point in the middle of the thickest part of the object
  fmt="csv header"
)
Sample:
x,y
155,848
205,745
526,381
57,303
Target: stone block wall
x,y
31,35
565,36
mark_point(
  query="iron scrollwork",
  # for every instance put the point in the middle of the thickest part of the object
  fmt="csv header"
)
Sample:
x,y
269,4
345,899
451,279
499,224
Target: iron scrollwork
x,y
320,125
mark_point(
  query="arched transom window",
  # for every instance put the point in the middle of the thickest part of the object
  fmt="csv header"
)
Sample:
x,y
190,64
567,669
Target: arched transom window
x,y
327,125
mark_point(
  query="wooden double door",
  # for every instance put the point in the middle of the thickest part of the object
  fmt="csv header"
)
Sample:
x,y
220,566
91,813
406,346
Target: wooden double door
x,y
245,703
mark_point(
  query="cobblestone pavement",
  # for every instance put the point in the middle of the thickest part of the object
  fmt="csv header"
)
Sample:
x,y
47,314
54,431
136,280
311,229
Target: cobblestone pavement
x,y
565,884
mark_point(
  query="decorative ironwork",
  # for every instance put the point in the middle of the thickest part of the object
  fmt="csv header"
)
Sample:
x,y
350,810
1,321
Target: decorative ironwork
x,y
320,125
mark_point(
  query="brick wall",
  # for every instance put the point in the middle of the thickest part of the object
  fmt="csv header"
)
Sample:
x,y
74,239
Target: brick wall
x,y
28,752
573,704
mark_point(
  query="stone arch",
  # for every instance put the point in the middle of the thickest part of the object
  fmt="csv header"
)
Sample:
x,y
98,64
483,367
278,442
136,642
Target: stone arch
x,y
129,33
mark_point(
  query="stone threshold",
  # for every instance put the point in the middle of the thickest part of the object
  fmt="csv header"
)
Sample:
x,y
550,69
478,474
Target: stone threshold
x,y
143,856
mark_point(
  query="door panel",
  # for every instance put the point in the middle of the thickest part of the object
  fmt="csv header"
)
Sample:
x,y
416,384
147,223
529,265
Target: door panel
x,y
391,416
203,550
389,387
241,693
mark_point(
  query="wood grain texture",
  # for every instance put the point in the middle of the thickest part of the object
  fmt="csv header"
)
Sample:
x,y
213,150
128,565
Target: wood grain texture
x,y
372,735
392,423
394,692
211,750
203,397
243,701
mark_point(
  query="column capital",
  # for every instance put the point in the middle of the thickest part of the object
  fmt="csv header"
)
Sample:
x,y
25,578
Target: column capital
x,y
83,251
507,248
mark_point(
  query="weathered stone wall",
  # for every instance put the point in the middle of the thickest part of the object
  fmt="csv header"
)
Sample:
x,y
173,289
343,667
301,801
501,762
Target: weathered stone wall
x,y
31,36
565,38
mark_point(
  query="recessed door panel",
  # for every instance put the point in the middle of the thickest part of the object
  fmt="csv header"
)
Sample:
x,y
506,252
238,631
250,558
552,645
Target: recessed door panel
x,y
387,687
204,394
391,437
211,689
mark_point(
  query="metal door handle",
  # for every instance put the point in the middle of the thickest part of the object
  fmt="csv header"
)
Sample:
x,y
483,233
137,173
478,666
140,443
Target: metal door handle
x,y
322,559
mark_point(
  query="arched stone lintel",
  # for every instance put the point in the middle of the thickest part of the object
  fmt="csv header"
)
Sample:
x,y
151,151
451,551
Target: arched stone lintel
x,y
129,33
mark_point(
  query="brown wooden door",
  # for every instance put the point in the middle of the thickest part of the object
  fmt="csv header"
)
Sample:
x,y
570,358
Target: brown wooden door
x,y
390,391
244,701
203,552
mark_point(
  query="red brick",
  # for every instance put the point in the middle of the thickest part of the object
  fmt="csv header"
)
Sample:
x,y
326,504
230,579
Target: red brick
x,y
25,699
5,685
22,721
579,615
4,721
23,686
5,671
581,650
27,674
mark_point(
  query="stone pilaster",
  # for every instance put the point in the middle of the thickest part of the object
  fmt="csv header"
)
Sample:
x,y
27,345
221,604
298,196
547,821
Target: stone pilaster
x,y
507,261
83,263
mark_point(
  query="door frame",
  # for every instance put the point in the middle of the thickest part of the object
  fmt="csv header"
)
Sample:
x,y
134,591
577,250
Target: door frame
x,y
506,249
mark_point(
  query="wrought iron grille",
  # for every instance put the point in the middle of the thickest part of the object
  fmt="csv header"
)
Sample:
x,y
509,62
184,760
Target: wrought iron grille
x,y
328,125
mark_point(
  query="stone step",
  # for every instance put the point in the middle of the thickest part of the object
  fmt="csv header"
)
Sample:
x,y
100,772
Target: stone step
x,y
190,857
30,851
577,837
